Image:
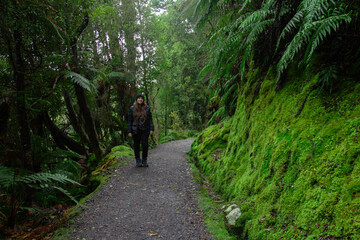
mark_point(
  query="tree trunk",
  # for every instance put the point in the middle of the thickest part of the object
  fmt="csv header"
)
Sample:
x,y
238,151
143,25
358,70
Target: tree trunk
x,y
81,98
4,119
19,77
61,139
74,120
89,121
128,7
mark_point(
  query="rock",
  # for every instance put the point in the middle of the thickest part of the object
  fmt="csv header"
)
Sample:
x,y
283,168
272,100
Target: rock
x,y
233,214
230,208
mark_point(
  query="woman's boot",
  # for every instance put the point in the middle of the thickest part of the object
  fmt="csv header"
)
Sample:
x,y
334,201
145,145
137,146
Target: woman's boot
x,y
144,162
138,162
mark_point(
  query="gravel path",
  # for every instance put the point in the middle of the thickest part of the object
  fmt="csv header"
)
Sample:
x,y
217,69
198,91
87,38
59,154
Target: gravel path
x,y
158,202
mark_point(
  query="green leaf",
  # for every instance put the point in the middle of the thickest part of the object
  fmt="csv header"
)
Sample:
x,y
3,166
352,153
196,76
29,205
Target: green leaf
x,y
78,79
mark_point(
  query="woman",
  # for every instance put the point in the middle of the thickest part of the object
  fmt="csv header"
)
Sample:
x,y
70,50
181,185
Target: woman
x,y
140,126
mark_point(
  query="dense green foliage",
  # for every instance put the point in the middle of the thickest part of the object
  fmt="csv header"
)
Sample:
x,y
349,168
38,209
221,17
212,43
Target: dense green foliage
x,y
69,72
180,97
274,33
285,86
275,81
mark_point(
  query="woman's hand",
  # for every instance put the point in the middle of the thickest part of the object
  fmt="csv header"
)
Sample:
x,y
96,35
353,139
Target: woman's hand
x,y
151,132
130,135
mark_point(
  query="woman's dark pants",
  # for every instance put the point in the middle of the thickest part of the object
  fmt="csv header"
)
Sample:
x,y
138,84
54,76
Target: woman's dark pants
x,y
141,137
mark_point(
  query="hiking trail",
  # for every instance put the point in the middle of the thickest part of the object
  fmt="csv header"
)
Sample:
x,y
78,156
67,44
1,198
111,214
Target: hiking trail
x,y
158,202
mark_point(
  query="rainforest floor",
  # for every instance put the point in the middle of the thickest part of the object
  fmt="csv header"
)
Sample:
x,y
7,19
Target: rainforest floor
x,y
145,203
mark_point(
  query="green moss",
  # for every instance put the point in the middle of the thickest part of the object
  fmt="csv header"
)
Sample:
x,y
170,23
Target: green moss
x,y
214,217
117,152
301,173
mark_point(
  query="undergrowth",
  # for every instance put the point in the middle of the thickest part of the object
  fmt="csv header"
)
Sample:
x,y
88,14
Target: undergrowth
x,y
118,156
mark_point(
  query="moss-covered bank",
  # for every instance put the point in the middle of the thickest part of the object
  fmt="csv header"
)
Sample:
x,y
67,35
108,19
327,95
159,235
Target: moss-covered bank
x,y
294,177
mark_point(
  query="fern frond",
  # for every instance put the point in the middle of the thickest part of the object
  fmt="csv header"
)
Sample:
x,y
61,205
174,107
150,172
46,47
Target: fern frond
x,y
219,114
328,76
292,49
100,73
323,30
255,17
291,26
228,96
66,193
244,5
319,18
206,6
246,56
6,177
204,71
257,29
117,75
45,178
78,79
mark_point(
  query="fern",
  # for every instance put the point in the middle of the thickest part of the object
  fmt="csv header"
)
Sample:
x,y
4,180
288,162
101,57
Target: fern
x,y
80,80
9,180
219,114
100,74
233,39
291,26
206,7
315,21
117,75
328,76
43,179
6,177
323,30
66,193
244,5
232,44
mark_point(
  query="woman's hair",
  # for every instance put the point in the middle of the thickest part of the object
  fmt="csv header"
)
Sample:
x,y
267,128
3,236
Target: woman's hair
x,y
139,112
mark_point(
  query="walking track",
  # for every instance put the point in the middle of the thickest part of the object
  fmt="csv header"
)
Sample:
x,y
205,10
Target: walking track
x,y
158,202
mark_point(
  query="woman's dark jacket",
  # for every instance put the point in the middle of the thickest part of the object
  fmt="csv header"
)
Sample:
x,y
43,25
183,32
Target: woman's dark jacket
x,y
133,126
